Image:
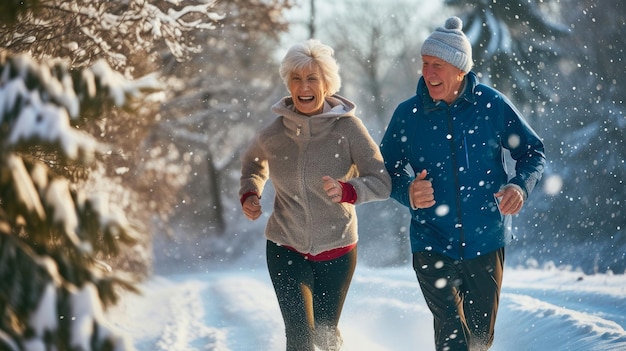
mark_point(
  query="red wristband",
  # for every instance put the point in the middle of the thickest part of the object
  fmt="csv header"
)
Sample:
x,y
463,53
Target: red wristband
x,y
247,195
348,193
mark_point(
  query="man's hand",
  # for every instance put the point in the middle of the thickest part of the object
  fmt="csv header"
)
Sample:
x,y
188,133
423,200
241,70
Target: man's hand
x,y
511,200
421,192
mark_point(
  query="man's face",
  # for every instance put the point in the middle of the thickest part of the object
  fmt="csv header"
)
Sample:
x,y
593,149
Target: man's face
x,y
443,80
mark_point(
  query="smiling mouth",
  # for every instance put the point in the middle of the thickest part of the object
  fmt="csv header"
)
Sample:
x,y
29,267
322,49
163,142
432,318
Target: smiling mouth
x,y
305,98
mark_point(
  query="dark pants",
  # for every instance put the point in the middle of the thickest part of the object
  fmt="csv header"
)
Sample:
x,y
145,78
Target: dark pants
x,y
463,297
310,296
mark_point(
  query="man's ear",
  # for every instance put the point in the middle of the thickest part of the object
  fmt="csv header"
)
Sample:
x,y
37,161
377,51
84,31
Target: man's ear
x,y
461,75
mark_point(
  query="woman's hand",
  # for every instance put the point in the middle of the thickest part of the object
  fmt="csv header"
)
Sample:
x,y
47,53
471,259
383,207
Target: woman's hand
x,y
333,189
252,207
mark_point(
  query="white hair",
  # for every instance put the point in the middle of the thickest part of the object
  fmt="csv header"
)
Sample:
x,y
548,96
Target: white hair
x,y
308,52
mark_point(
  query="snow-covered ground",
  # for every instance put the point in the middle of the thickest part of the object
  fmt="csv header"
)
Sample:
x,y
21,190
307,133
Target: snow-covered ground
x,y
234,308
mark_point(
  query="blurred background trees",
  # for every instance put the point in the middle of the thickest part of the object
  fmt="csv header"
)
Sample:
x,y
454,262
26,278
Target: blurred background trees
x,y
219,98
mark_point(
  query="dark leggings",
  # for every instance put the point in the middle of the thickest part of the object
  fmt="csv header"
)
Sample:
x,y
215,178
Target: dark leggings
x,y
310,294
463,297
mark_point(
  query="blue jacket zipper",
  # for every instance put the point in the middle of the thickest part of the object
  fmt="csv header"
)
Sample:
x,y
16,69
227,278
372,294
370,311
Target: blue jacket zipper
x,y
457,184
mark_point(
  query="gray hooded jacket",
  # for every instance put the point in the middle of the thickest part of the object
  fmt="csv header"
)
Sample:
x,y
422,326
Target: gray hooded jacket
x,y
295,152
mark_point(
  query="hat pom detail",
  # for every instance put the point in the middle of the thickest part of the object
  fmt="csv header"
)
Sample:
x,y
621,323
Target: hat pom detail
x,y
454,23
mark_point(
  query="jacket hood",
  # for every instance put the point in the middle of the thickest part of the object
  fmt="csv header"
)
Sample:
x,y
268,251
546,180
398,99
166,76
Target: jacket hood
x,y
335,107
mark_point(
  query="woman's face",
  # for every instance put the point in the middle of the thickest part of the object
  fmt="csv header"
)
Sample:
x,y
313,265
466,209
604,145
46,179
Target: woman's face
x,y
308,90
442,79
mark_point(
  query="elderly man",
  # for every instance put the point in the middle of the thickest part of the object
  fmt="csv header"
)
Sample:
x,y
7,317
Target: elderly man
x,y
444,151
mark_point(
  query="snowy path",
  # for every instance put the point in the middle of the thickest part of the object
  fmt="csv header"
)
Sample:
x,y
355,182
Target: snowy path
x,y
235,310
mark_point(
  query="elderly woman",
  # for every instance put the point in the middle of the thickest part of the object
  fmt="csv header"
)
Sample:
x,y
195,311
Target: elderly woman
x,y
321,161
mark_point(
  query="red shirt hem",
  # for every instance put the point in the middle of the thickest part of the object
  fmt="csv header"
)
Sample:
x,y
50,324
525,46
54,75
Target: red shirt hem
x,y
326,255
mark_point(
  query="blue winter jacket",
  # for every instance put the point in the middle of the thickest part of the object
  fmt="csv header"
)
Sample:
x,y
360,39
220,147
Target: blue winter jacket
x,y
461,146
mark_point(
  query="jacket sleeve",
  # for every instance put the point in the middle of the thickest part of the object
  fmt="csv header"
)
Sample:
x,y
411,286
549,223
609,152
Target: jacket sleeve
x,y
254,169
526,149
373,182
395,151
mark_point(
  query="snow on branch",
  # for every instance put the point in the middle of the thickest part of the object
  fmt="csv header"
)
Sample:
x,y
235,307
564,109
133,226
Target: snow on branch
x,y
119,88
38,100
118,30
106,23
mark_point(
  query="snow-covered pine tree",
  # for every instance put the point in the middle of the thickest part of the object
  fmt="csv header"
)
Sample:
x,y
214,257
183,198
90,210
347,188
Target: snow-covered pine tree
x,y
54,287
145,169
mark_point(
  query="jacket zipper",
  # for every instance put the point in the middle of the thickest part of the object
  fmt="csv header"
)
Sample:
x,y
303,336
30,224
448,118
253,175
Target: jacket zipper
x,y
465,148
303,188
455,171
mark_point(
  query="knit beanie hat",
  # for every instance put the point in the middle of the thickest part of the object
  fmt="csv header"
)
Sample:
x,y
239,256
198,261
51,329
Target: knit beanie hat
x,y
450,44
